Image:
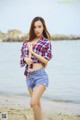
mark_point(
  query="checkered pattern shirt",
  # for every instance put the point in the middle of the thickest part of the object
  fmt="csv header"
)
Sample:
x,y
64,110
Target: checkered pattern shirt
x,y
43,47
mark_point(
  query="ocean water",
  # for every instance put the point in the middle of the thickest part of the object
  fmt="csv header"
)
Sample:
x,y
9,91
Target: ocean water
x,y
63,71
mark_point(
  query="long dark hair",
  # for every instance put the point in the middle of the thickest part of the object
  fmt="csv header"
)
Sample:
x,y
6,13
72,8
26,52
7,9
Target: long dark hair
x,y
32,35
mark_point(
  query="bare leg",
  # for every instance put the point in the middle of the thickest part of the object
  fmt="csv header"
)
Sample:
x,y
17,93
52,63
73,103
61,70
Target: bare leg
x,y
31,92
35,101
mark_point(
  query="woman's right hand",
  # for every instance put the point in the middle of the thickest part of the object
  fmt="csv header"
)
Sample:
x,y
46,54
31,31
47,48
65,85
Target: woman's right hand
x,y
29,61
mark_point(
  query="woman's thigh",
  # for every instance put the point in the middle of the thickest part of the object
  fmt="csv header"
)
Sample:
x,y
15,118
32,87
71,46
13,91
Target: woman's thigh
x,y
37,93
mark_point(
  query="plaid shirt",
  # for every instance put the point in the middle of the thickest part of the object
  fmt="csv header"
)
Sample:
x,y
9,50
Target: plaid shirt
x,y
43,47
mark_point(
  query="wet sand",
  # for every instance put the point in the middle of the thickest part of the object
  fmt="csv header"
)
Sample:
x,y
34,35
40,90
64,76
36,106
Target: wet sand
x,y
17,107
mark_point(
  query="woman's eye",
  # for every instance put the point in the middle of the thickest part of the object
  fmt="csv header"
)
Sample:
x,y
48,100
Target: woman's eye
x,y
39,26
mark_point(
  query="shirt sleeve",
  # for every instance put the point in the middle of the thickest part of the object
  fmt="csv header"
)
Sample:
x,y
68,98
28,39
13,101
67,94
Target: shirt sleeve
x,y
24,53
48,52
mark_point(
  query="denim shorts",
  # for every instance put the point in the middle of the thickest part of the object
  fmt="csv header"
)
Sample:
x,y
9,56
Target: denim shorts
x,y
37,77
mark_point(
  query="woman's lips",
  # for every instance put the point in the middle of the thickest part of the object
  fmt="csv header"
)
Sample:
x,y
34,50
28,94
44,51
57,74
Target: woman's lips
x,y
37,33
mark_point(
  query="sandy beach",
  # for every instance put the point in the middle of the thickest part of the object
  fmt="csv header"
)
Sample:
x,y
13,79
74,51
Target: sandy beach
x,y
16,107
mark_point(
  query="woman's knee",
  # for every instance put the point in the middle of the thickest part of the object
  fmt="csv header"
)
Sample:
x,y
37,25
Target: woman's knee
x,y
34,103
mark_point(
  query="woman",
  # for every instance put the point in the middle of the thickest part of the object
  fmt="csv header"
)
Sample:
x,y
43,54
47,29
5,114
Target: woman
x,y
35,54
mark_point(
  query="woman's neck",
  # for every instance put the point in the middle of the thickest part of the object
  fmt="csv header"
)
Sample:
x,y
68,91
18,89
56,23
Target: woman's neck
x,y
38,38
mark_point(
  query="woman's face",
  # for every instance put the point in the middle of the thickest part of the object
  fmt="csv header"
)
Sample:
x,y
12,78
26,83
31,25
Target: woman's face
x,y
38,28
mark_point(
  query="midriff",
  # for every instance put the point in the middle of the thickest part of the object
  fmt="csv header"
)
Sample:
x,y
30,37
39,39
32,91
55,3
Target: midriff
x,y
36,66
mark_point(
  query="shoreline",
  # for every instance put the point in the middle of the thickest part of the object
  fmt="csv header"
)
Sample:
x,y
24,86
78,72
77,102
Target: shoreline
x,y
44,97
18,107
59,39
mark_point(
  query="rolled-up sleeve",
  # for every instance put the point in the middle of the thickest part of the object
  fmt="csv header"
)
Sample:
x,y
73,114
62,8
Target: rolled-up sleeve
x,y
22,62
48,51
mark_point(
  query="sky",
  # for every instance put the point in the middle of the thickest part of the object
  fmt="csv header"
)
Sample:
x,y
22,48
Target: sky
x,y
61,17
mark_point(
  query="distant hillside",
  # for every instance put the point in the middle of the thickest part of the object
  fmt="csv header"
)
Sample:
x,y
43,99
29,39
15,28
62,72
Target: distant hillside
x,y
64,37
16,35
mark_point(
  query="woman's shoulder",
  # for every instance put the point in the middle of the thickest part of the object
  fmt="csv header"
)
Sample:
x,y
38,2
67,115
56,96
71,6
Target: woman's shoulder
x,y
46,41
24,43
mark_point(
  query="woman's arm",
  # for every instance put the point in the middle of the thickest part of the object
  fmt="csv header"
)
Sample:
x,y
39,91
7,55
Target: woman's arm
x,y
24,57
42,59
29,61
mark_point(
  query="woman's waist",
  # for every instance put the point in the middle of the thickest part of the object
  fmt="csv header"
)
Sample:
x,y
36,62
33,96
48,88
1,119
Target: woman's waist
x,y
36,66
